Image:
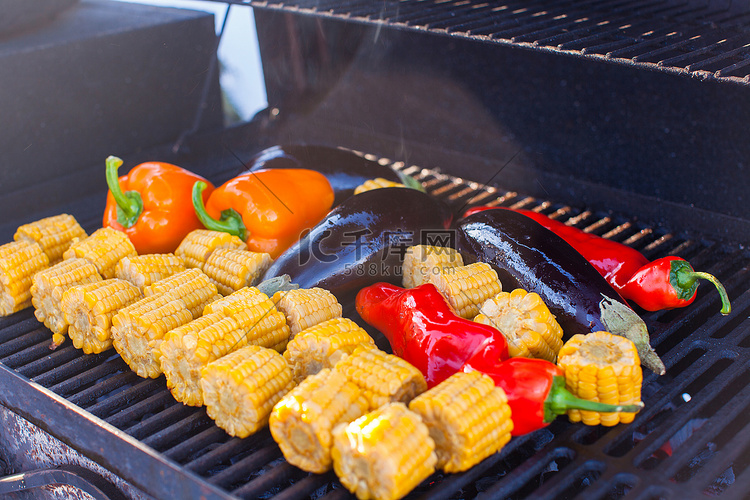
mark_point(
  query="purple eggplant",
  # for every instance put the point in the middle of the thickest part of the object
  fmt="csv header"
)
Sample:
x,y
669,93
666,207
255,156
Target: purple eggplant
x,y
529,256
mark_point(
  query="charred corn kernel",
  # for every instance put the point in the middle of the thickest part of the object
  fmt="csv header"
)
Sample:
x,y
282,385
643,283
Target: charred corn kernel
x,y
383,377
48,286
467,287
198,245
423,261
241,389
232,269
144,270
376,183
53,234
192,287
104,248
186,350
526,322
19,261
602,367
324,345
384,454
304,308
302,422
89,309
468,418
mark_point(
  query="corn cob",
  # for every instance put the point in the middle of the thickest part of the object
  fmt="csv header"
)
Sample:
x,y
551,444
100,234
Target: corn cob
x,y
89,309
241,389
188,349
423,261
467,287
526,322
324,345
304,308
198,245
237,301
384,454
376,183
53,234
302,422
48,286
138,329
468,418
104,248
231,269
383,377
144,270
19,261
605,368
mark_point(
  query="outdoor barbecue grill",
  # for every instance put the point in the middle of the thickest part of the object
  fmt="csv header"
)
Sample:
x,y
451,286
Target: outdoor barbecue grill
x,y
627,118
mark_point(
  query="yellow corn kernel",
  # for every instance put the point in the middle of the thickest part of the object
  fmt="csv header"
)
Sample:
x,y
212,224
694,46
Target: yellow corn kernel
x,y
241,389
468,418
602,367
234,302
423,261
383,377
383,455
19,261
232,269
48,286
467,287
526,322
376,183
197,246
324,345
89,309
191,286
104,248
302,422
304,308
53,234
144,270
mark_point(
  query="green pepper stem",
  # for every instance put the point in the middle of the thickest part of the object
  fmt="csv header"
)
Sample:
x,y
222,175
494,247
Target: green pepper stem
x,y
281,283
687,278
230,222
560,400
130,203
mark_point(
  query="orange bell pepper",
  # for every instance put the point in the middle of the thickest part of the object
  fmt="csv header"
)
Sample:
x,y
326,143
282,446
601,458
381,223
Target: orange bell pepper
x,y
269,209
152,204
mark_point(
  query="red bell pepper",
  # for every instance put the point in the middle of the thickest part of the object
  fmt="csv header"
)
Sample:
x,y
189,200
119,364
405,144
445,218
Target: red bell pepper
x,y
423,329
665,283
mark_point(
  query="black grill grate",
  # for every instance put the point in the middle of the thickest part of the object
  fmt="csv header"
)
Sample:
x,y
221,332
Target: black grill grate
x,y
693,435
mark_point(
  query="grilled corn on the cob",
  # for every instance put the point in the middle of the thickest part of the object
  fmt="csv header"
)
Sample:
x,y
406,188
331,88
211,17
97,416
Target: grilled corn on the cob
x,y
197,246
19,261
144,270
306,307
232,269
53,234
191,286
467,287
104,248
423,261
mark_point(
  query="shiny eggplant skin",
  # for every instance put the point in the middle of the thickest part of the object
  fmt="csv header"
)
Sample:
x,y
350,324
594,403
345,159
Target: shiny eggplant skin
x,y
344,169
362,241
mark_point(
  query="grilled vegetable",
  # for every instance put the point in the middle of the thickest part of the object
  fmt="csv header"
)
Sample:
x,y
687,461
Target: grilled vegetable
x,y
467,287
47,288
198,245
152,204
19,261
144,270
231,269
302,422
241,388
191,286
468,418
531,257
54,234
602,367
305,308
237,301
89,309
421,262
377,183
530,329
268,209
324,345
361,241
423,329
384,454
104,248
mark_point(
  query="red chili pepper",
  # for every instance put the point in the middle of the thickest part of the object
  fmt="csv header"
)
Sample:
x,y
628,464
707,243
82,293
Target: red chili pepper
x,y
423,329
536,392
665,283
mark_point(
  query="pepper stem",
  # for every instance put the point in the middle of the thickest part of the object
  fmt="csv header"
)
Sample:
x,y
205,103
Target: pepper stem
x,y
230,221
684,277
129,203
560,400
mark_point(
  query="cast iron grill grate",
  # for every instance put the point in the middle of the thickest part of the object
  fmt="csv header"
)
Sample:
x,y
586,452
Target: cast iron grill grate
x,y
693,435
